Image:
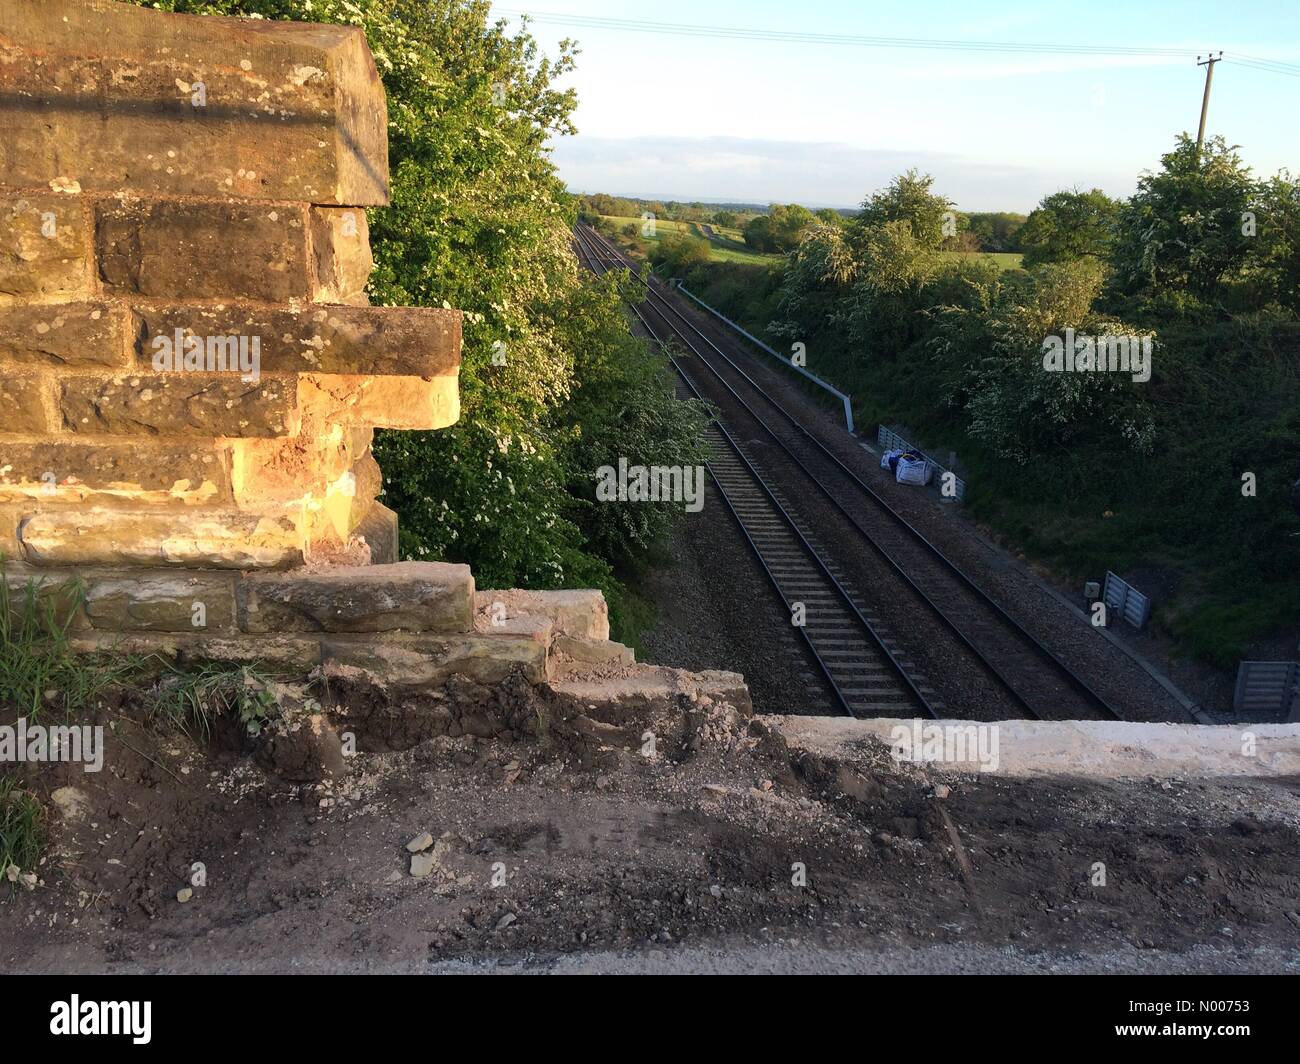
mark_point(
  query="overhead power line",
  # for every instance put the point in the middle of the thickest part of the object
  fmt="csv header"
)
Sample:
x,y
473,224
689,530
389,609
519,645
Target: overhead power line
x,y
683,29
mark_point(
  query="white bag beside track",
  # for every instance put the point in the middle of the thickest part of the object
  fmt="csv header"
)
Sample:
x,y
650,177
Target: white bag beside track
x,y
913,471
887,456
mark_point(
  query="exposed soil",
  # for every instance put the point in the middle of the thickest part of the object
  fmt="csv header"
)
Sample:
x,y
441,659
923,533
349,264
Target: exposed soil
x,y
599,850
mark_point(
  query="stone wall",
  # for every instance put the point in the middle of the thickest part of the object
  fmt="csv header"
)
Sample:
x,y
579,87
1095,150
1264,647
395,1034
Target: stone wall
x,y
190,372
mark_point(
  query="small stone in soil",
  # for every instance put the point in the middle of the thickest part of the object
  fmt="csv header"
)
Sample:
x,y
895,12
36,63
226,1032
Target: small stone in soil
x,y
421,842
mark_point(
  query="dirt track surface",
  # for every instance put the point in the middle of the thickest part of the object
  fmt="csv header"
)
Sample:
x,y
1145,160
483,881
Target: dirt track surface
x,y
609,859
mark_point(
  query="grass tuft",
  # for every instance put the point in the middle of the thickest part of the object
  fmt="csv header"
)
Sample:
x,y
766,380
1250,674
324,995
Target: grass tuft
x,y
195,698
38,668
21,827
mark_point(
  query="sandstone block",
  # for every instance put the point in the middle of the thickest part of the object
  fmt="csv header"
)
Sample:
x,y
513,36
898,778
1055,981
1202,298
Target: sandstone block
x,y
340,243
412,660
27,404
355,341
193,539
270,470
56,596
411,596
380,402
44,246
283,654
178,404
10,518
65,334
113,473
166,602
190,250
580,613
379,530
111,96
594,651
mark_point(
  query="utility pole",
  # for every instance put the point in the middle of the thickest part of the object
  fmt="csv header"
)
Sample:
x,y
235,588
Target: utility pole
x,y
1208,62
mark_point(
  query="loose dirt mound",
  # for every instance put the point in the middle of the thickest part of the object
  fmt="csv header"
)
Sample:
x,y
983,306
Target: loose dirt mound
x,y
555,831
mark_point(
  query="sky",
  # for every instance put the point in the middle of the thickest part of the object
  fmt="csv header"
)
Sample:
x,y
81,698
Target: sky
x,y
719,118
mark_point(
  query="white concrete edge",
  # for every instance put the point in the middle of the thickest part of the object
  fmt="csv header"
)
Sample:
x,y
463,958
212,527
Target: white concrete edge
x,y
1104,749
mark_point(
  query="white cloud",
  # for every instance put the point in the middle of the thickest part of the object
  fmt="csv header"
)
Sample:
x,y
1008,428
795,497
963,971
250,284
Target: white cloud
x,y
762,171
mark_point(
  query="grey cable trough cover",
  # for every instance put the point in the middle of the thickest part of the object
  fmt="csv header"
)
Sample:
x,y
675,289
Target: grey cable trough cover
x,y
848,406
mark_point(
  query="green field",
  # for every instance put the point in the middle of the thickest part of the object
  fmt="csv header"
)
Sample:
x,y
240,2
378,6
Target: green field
x,y
731,248
1006,260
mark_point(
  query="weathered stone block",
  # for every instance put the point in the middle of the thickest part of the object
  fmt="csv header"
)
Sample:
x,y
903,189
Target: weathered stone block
x,y
27,404
202,539
108,473
44,246
10,518
65,334
340,243
594,651
179,404
274,470
380,402
579,613
411,596
284,654
379,530
190,250
58,597
385,341
411,660
165,602
111,96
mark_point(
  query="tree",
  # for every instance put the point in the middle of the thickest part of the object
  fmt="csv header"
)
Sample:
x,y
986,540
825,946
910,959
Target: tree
x,y
1277,218
907,199
679,252
780,229
1183,230
1069,225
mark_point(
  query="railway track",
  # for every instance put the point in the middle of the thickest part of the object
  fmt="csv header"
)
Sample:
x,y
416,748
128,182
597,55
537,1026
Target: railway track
x,y
1030,679
863,669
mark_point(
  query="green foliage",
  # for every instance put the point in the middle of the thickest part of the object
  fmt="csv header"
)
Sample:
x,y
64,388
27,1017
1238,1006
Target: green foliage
x,y
676,253
780,229
38,669
194,698
1183,229
1010,404
1277,217
1069,225
994,232
21,828
908,198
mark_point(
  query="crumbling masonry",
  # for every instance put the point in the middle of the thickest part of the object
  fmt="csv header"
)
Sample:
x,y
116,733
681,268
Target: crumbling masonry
x,y
190,372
